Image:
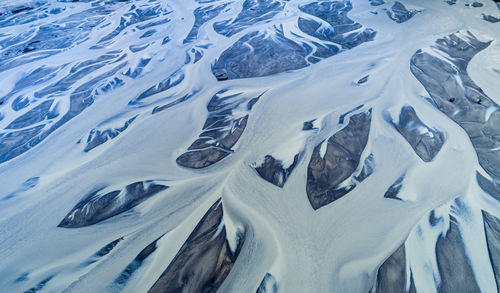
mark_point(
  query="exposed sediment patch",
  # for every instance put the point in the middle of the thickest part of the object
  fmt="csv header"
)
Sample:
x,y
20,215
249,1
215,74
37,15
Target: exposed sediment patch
x,y
204,260
228,113
391,276
442,70
327,171
399,13
273,170
425,141
271,51
252,12
104,204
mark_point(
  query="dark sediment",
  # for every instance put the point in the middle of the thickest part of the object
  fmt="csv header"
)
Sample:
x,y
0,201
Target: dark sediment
x,y
221,131
455,94
454,265
268,284
98,207
425,141
393,190
492,230
273,171
204,260
341,159
399,13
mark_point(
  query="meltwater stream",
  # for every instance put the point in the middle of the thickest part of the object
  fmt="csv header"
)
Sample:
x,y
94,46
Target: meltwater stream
x,y
250,146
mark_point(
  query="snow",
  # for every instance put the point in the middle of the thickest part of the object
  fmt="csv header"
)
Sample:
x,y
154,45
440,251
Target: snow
x,y
337,248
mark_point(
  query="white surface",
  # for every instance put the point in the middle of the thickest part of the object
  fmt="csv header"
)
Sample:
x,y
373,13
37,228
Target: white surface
x,y
334,249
